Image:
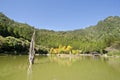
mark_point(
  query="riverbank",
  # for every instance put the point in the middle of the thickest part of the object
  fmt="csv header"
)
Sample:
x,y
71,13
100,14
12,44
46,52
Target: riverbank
x,y
77,55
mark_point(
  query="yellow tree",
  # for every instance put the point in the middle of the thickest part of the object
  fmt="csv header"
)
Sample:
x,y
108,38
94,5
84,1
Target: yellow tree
x,y
68,49
51,50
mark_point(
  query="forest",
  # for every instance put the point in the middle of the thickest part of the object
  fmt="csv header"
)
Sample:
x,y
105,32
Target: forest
x,y
104,37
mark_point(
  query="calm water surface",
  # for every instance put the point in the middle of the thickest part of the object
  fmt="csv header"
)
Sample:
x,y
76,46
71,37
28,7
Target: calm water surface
x,y
53,68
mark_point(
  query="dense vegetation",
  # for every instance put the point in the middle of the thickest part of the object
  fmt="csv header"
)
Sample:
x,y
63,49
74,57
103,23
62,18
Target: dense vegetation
x,y
15,36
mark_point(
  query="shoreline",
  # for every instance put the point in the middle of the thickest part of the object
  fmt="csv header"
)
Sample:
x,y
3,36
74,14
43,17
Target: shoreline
x,y
77,55
66,55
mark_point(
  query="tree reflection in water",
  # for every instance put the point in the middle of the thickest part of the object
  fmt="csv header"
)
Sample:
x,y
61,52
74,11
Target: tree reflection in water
x,y
29,72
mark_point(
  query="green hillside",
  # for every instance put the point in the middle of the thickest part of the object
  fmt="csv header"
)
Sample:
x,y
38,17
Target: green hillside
x,y
106,34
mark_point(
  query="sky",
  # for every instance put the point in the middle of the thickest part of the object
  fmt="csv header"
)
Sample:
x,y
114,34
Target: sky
x,y
60,15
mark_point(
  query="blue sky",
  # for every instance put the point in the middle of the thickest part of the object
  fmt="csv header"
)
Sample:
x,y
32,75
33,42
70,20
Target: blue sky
x,y
60,15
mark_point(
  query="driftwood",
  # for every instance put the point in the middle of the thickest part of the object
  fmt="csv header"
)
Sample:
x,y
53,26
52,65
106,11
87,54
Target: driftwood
x,y
31,50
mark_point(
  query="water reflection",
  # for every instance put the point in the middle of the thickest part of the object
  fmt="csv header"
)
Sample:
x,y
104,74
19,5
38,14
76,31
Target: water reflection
x,y
61,61
69,60
64,59
29,72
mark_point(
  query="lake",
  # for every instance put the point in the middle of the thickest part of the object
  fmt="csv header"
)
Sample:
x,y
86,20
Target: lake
x,y
56,68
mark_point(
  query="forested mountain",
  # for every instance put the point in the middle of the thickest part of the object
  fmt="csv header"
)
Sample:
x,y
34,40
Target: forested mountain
x,y
94,38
